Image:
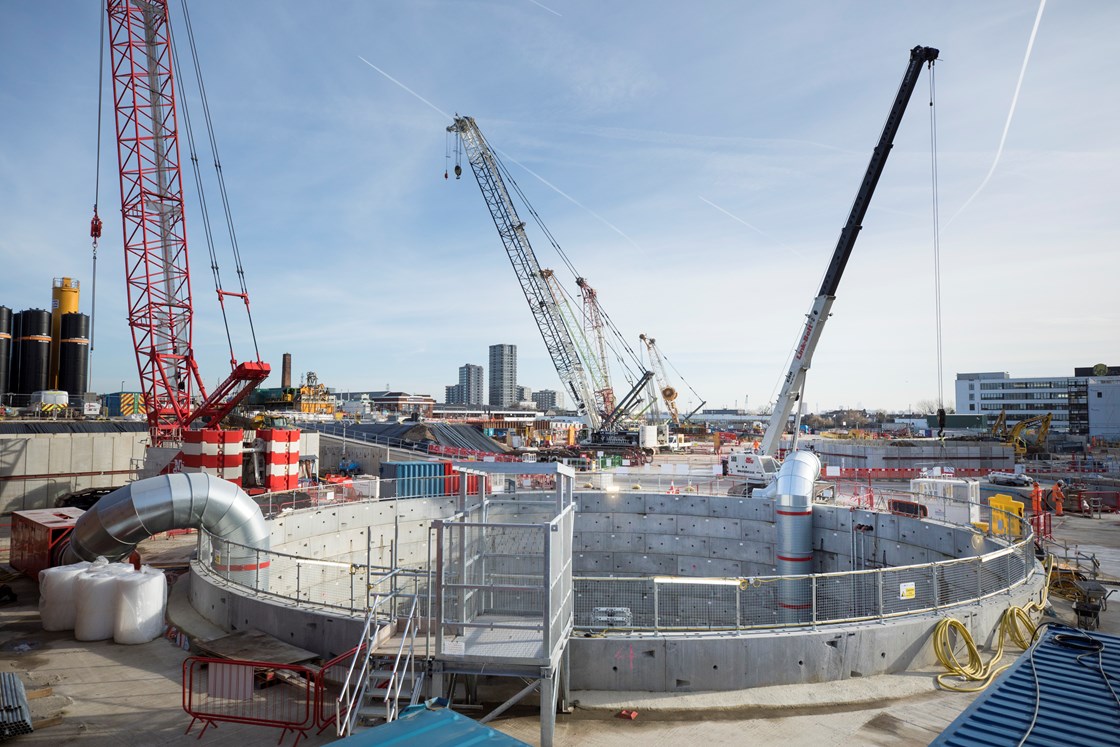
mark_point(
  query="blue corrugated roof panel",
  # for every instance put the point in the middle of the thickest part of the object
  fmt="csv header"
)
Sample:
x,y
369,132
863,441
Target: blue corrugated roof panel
x,y
1064,691
439,727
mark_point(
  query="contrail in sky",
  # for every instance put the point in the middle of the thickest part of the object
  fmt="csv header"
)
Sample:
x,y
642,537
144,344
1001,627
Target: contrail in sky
x,y
509,158
402,85
550,10
506,156
1010,114
568,197
734,217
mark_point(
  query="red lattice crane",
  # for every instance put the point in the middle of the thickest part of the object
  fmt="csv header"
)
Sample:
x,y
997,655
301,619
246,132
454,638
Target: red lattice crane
x,y
157,272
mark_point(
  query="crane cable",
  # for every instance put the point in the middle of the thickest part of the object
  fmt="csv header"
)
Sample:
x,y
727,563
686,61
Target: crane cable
x,y
678,373
936,252
95,221
208,231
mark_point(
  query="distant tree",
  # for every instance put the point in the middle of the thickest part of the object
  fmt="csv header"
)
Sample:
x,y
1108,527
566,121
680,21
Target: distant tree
x,y
819,422
927,406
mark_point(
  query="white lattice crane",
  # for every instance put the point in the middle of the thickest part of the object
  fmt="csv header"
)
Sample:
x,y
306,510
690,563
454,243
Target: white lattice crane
x,y
668,393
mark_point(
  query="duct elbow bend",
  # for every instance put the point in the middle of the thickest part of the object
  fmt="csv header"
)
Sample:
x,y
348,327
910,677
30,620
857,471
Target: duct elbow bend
x,y
796,479
125,517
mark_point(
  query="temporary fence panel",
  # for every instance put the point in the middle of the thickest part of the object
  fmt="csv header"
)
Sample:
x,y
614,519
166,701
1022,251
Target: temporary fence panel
x,y
281,696
328,684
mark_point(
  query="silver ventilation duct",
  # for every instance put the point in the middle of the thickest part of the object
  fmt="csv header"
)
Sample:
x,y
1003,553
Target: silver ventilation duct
x,y
794,525
125,517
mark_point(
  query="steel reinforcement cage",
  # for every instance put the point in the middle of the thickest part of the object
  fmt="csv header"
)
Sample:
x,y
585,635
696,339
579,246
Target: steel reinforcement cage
x,y
516,582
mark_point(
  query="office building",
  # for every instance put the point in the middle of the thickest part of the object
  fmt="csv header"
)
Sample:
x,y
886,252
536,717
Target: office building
x,y
503,376
1085,404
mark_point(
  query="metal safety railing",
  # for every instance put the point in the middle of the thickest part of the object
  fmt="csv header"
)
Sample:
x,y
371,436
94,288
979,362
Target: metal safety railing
x,y
350,587
330,681
405,668
511,584
676,603
354,685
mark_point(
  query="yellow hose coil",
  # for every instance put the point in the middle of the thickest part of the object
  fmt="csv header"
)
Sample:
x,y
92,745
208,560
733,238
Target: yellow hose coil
x,y
1015,625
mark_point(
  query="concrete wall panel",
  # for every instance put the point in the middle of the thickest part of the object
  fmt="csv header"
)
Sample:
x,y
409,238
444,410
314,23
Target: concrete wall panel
x,y
710,527
593,563
644,564
708,567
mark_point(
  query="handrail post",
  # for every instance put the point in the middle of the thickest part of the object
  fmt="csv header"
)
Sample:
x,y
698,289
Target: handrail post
x,y
879,584
979,580
813,586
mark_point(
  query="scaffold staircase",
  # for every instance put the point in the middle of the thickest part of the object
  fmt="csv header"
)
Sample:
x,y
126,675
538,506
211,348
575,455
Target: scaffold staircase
x,y
385,676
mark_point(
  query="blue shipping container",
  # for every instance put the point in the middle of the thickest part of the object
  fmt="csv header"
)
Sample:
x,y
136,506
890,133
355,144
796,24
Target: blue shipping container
x,y
413,479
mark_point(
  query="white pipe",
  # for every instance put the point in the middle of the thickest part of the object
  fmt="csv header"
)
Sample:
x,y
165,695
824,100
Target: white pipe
x,y
125,517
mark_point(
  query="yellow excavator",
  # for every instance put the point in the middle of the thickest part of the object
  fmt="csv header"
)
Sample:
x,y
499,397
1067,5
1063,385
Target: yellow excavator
x,y
1016,438
999,428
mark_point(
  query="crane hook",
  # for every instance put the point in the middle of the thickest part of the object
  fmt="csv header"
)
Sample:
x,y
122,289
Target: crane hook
x,y
458,171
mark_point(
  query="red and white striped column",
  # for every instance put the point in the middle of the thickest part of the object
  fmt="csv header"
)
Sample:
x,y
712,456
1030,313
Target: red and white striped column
x,y
281,458
213,452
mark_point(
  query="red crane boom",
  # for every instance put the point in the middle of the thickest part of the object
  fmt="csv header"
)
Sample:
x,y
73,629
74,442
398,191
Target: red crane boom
x,y
157,272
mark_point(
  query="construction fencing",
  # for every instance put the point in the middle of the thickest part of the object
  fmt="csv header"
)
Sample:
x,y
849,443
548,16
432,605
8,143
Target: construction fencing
x,y
282,696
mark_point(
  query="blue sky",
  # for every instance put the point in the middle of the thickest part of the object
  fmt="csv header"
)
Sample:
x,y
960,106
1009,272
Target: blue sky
x,y
703,158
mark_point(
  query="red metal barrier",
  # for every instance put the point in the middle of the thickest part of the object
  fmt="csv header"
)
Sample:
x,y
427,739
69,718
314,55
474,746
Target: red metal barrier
x,y
249,692
1041,523
328,683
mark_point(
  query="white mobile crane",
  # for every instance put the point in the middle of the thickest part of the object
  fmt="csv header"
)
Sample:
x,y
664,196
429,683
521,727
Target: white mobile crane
x,y
760,468
535,284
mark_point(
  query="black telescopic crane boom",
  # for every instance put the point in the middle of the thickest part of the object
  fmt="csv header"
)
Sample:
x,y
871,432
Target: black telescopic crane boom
x,y
794,380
